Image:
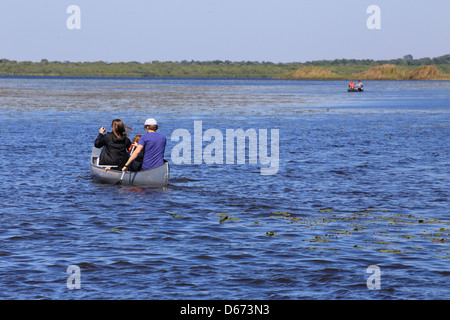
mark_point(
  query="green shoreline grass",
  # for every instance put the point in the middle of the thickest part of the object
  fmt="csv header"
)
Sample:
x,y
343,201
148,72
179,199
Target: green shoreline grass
x,y
324,69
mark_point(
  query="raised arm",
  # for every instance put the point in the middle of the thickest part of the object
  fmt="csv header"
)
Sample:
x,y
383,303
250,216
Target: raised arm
x,y
99,142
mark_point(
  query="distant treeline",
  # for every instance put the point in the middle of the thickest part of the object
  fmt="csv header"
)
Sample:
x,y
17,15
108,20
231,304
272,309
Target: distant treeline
x,y
407,60
216,68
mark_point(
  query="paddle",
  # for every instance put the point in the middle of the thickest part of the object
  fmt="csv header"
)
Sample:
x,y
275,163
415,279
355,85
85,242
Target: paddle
x,y
132,149
123,172
121,178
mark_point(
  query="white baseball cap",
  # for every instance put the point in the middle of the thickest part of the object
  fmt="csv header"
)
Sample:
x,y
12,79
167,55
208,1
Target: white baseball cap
x,y
150,122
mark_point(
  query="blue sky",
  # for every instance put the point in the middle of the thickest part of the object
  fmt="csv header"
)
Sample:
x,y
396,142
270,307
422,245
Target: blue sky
x,y
235,30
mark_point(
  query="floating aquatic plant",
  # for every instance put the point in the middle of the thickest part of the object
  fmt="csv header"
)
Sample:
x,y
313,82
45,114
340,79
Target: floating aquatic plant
x,y
176,215
390,250
319,239
371,228
226,218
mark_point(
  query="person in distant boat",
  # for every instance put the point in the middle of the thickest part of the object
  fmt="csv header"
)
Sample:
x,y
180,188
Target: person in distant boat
x,y
115,144
152,144
360,86
137,163
351,85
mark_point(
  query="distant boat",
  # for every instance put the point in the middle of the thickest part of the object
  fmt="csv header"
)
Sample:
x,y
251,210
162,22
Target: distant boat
x,y
158,176
355,90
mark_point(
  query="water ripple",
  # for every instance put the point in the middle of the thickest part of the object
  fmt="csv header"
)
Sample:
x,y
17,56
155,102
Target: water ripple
x,y
358,184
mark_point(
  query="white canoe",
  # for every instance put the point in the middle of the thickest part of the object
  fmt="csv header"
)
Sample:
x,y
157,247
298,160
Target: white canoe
x,y
158,176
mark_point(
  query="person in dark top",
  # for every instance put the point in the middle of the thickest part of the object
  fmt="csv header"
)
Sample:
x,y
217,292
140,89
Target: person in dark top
x,y
115,145
137,163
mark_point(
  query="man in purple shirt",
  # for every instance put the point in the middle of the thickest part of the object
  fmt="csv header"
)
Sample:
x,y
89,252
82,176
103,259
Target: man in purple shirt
x,y
153,144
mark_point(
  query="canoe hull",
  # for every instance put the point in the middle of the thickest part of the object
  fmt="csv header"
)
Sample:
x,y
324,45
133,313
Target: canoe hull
x,y
154,177
355,90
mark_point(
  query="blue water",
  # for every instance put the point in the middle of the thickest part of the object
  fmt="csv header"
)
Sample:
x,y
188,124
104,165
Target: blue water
x,y
363,179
